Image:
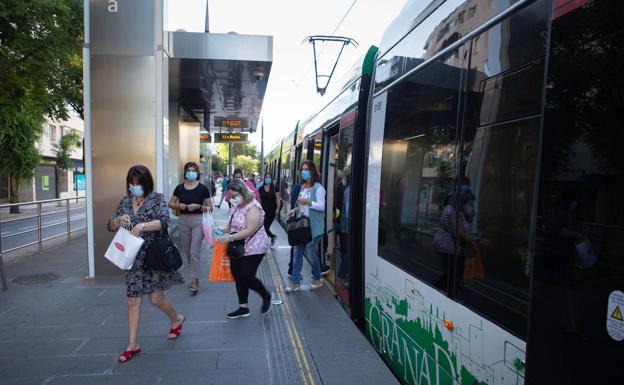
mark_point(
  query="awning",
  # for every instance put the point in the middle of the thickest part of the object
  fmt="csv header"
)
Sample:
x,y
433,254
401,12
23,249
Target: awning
x,y
219,79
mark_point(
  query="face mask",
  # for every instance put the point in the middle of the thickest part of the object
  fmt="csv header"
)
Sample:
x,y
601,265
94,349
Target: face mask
x,y
268,180
137,191
236,200
305,174
463,188
191,175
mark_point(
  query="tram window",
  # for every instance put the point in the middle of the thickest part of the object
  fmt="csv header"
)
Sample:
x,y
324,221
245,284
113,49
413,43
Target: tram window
x,y
318,146
451,20
512,95
418,169
499,159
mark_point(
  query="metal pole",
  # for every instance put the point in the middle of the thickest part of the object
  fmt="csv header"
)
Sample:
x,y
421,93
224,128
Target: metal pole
x,y
2,272
68,222
207,25
159,82
230,169
262,170
39,231
88,159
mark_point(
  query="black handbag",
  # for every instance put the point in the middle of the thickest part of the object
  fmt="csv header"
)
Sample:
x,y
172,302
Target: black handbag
x,y
162,255
236,249
299,231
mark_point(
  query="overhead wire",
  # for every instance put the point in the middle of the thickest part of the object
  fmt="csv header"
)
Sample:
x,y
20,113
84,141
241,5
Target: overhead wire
x,y
325,43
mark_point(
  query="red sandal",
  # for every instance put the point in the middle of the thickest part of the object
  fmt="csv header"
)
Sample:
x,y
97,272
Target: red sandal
x,y
176,330
128,354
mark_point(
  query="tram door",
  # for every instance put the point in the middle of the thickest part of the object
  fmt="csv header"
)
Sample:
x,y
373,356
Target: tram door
x,y
341,207
576,326
330,212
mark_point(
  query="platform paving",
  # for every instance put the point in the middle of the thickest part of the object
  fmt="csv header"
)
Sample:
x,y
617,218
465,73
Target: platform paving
x,y
72,329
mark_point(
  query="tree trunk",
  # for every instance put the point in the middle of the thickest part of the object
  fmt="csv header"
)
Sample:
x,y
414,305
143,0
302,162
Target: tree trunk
x,y
57,192
14,194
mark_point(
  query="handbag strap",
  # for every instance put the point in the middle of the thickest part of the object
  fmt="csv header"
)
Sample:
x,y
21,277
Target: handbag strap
x,y
255,232
232,216
252,235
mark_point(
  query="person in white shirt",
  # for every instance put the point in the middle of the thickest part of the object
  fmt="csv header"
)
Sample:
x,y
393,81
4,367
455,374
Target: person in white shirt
x,y
311,203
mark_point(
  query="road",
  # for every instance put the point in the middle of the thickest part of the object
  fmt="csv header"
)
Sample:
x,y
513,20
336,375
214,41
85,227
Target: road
x,y
23,231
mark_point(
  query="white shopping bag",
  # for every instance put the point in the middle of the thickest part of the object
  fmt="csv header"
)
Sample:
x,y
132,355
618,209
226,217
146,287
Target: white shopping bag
x,y
585,256
208,226
123,249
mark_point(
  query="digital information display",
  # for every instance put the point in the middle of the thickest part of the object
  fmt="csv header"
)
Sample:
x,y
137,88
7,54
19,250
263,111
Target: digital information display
x,y
231,122
230,138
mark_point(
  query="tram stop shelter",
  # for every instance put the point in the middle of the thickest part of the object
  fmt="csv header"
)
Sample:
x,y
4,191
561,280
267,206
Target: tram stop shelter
x,y
152,96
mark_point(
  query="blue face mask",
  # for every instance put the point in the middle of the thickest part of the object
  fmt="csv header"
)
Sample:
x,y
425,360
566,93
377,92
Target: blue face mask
x,y
191,175
305,174
463,188
137,191
268,180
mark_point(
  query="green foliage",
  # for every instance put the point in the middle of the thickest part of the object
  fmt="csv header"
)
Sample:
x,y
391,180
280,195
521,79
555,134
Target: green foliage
x,y
238,149
63,149
40,74
41,54
20,129
246,163
217,164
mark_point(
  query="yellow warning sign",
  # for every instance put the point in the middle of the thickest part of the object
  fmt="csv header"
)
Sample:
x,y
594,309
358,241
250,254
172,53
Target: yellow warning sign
x,y
617,314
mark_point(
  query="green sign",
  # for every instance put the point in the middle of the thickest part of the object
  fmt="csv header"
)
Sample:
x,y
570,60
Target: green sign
x,y
45,182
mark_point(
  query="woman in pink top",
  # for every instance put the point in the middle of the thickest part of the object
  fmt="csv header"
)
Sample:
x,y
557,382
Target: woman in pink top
x,y
246,222
238,174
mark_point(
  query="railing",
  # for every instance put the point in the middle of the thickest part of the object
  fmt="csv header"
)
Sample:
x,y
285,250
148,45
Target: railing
x,y
38,228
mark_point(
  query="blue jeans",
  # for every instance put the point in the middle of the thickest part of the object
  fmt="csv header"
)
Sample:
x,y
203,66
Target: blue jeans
x,y
310,249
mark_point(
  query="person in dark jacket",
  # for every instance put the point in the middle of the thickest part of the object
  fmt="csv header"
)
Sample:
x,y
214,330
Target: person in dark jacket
x,y
269,198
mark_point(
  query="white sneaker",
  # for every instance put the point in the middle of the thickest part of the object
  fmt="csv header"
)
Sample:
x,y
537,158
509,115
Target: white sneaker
x,y
292,287
316,284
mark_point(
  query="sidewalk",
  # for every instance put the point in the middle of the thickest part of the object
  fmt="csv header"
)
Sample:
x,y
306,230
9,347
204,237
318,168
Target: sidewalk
x,y
71,331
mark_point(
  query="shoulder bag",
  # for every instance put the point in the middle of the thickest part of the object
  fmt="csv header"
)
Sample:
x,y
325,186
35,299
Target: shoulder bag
x,y
161,254
299,230
236,249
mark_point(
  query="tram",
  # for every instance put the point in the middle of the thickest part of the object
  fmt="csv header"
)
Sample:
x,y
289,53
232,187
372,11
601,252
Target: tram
x,y
474,224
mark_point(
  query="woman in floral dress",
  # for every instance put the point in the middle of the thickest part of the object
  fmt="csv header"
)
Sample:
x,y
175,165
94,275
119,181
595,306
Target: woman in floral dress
x,y
145,211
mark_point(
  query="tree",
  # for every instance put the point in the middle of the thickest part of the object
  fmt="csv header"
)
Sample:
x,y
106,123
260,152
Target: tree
x,y
19,129
62,150
246,163
237,149
217,164
40,74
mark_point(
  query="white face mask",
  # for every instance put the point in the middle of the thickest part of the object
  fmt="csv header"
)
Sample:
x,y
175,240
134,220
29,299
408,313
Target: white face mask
x,y
236,200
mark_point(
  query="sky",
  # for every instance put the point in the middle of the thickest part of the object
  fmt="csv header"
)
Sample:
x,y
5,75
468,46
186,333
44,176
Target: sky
x,y
291,93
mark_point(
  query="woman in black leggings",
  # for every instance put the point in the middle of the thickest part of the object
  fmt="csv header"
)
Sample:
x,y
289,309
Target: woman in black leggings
x,y
269,198
246,222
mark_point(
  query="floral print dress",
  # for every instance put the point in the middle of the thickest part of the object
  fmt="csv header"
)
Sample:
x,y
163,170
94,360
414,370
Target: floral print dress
x,y
138,280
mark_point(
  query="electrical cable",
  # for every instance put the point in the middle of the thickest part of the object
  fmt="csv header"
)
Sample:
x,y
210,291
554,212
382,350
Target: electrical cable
x,y
325,43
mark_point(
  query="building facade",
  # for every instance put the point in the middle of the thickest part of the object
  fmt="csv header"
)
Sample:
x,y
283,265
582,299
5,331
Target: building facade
x,y
46,184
